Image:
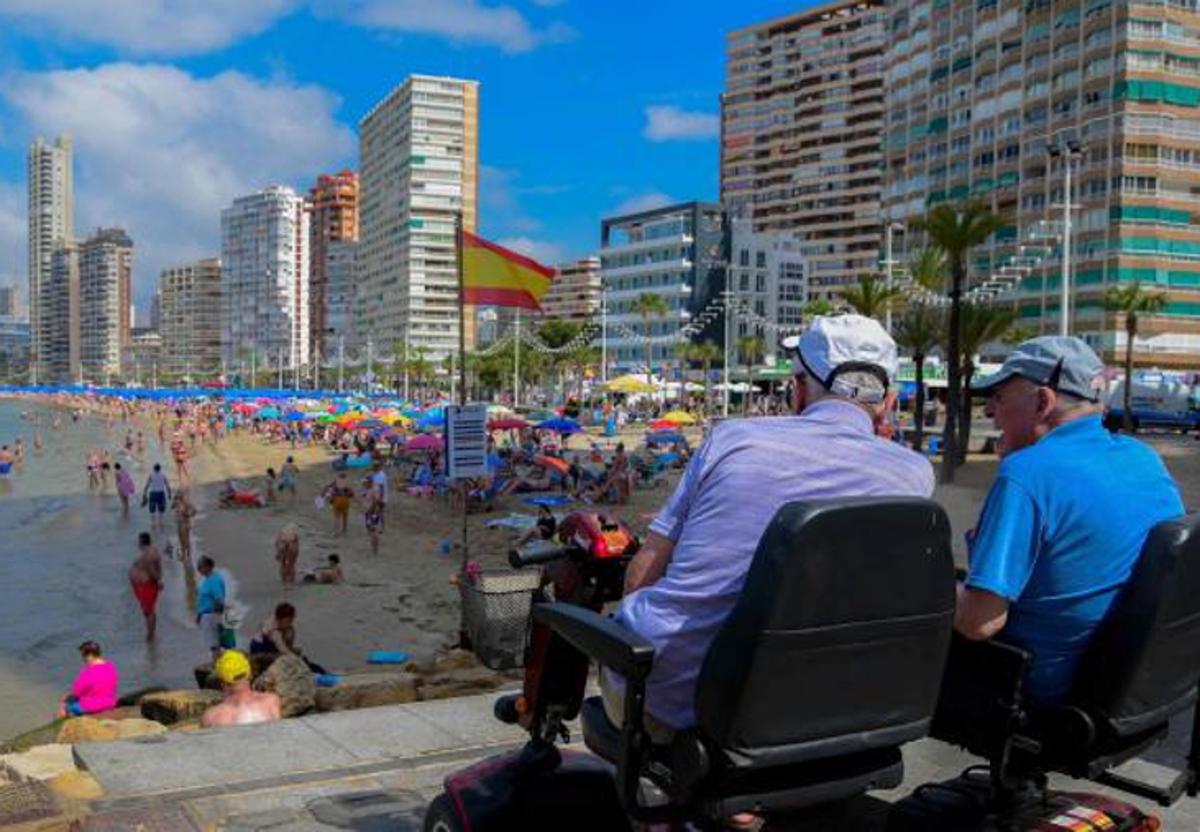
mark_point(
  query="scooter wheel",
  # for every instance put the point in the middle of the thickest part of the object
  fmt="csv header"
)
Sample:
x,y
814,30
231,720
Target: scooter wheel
x,y
441,816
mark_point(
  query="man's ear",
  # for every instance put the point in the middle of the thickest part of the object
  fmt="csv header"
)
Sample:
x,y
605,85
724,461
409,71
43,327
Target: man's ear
x,y
1047,402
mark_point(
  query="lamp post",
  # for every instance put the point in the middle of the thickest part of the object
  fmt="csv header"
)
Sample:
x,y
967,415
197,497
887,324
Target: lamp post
x,y
887,266
1069,152
603,334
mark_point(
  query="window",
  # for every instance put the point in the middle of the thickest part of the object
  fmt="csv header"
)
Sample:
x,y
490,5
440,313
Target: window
x,y
760,260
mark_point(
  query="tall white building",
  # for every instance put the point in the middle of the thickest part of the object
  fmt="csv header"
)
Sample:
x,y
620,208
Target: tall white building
x,y
341,260
768,275
264,279
51,221
419,168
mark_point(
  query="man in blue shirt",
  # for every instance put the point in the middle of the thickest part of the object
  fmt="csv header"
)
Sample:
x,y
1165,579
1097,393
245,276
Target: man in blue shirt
x,y
210,605
1065,520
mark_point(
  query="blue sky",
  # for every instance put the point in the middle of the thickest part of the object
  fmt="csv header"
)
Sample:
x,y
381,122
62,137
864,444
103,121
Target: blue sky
x,y
177,106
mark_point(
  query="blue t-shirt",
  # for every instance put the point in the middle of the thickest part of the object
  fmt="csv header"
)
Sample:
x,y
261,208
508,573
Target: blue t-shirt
x,y
1059,534
210,597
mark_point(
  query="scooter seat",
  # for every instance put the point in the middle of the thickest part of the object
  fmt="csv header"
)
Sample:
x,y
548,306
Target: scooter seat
x,y
599,734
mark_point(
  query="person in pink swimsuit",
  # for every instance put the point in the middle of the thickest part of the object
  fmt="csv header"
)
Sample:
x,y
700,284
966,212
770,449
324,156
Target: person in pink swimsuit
x,y
95,688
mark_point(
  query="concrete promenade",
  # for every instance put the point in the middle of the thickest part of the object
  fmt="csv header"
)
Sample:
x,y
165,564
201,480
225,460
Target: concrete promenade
x,y
378,768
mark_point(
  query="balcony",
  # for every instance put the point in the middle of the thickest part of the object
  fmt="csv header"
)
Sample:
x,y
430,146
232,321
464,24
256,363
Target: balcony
x,y
649,267
673,241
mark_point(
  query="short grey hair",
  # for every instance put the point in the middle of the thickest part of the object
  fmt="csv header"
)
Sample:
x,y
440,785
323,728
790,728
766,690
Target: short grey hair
x,y
861,387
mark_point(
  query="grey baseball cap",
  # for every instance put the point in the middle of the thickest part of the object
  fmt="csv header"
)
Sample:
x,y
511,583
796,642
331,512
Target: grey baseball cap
x,y
1061,362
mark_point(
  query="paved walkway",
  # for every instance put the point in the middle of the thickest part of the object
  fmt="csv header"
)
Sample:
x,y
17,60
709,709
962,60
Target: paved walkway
x,y
378,768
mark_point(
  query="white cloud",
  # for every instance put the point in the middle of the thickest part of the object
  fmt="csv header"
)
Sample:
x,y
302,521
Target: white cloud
x,y
665,124
161,152
548,254
148,27
464,21
643,202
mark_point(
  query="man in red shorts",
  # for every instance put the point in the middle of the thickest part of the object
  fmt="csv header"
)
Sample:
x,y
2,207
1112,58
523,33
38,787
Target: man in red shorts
x,y
145,576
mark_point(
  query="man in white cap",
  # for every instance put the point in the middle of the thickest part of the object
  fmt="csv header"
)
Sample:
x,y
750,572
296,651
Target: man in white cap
x,y
1066,518
685,580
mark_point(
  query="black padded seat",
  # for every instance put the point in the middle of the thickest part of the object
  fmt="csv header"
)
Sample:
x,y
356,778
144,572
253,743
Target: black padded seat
x,y
828,663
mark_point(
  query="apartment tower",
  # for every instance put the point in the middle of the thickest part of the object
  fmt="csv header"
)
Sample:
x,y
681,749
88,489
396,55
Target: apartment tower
x,y
10,302
419,170
189,317
333,203
51,222
105,297
991,100
575,293
58,317
801,120
264,280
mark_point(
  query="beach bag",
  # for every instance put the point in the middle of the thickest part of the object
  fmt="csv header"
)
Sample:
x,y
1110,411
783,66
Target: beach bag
x,y
228,638
319,502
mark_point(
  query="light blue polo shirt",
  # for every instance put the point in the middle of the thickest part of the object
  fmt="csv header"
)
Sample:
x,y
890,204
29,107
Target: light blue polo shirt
x,y
1059,534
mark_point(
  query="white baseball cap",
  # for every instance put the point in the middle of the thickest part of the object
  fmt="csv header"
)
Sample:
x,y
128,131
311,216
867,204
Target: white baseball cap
x,y
834,345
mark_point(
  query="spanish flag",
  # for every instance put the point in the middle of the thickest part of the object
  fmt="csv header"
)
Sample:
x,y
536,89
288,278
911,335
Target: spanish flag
x,y
495,276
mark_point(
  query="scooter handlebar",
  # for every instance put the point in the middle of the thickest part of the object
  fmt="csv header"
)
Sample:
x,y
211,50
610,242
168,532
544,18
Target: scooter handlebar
x,y
537,552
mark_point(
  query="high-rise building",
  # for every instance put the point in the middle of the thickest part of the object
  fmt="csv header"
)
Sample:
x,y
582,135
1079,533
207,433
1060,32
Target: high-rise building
x,y
14,346
990,101
51,185
189,317
341,263
10,302
419,170
264,279
57,333
105,294
769,280
575,293
677,252
801,126
333,202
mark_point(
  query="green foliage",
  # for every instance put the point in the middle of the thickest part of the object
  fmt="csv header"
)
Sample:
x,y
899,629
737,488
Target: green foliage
x,y
871,296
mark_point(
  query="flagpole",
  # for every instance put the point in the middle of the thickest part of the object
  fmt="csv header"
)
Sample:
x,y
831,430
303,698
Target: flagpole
x,y
517,361
463,638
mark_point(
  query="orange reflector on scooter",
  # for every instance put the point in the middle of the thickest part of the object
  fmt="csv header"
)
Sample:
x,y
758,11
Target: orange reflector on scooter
x,y
522,705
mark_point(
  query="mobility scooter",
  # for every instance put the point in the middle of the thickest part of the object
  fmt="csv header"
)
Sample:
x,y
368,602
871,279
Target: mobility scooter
x,y
834,656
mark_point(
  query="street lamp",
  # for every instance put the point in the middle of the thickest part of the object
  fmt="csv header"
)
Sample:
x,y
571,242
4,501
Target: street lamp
x,y
1071,151
887,265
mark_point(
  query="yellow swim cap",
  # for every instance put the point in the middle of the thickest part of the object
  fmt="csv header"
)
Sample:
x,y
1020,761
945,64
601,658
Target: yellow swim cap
x,y
233,666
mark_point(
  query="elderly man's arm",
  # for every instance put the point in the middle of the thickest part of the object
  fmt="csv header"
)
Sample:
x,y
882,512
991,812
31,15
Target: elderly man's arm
x,y
650,563
979,614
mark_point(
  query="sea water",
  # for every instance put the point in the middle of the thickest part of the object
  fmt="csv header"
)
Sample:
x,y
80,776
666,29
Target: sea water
x,y
64,555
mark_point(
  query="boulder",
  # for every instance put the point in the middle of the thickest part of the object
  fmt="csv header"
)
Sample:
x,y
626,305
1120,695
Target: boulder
x,y
75,785
172,706
459,683
289,677
368,690
90,729
38,763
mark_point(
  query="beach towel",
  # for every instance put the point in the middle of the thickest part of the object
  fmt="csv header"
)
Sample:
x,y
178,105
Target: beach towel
x,y
549,500
387,657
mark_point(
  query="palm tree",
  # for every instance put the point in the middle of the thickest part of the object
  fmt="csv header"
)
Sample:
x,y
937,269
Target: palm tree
x,y
819,306
421,369
704,354
956,231
981,324
871,296
920,331
649,306
1132,301
751,349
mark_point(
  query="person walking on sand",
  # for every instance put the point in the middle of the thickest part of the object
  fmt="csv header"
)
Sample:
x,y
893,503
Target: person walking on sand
x,y
184,511
125,488
340,494
373,516
379,482
156,494
145,577
288,475
287,552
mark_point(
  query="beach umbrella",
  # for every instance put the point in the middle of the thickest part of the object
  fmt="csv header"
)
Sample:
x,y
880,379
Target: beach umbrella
x,y
665,438
371,423
428,442
325,418
560,425
295,416
663,424
680,417
629,384
269,413
507,424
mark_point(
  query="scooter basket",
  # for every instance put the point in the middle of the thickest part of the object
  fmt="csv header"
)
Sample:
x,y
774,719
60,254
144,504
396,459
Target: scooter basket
x,y
496,615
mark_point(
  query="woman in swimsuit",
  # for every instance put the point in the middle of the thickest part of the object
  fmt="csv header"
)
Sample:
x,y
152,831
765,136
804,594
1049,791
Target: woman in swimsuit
x,y
373,516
